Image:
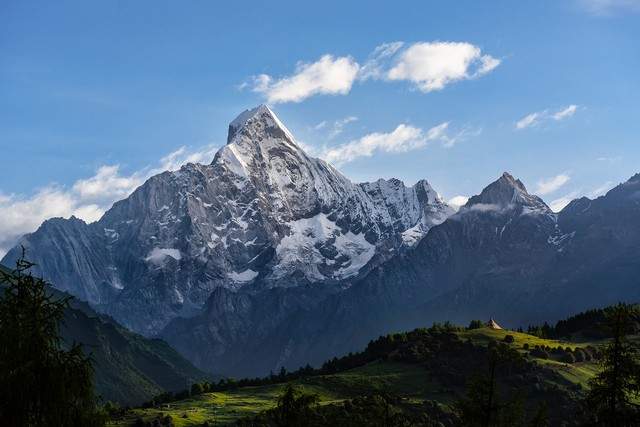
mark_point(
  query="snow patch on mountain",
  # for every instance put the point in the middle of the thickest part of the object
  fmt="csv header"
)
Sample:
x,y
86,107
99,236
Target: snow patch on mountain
x,y
318,241
243,277
230,157
157,255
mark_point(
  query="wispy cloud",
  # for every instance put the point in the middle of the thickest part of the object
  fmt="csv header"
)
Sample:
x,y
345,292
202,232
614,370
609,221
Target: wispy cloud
x,y
457,201
468,132
567,112
609,159
339,125
609,7
558,204
599,191
537,118
377,65
428,66
321,125
87,199
530,120
326,76
403,138
551,185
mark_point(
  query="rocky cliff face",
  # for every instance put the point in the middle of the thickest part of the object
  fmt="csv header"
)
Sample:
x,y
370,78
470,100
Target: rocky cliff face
x,y
263,214
496,232
504,254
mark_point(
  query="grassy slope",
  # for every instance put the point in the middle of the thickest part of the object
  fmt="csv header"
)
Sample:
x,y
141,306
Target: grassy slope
x,y
129,368
226,408
413,382
577,373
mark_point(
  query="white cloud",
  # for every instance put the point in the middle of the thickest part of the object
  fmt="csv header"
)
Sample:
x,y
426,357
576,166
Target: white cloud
x,y
402,139
567,112
339,125
457,201
320,125
107,183
378,62
609,7
609,159
183,155
466,133
326,76
531,120
550,185
87,199
537,118
428,65
601,190
487,207
558,204
487,64
431,66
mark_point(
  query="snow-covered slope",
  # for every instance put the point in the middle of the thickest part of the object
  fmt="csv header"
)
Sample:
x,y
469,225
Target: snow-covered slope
x,y
263,214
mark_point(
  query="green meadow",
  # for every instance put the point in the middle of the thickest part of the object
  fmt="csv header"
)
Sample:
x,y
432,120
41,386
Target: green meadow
x,y
413,382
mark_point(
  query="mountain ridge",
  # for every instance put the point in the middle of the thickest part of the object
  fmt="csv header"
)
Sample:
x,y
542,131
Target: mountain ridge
x,y
262,214
268,258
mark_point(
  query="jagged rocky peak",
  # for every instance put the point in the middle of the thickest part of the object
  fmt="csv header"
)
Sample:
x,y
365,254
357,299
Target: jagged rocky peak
x,y
259,121
506,192
262,150
263,214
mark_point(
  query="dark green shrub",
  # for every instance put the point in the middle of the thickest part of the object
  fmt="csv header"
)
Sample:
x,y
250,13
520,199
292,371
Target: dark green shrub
x,y
568,358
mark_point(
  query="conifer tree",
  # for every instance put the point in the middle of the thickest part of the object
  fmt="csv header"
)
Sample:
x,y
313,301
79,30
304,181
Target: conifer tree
x,y
614,392
484,405
41,383
293,408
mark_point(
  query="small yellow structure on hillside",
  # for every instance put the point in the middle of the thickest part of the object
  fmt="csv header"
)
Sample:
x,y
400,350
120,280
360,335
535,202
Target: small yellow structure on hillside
x,y
491,324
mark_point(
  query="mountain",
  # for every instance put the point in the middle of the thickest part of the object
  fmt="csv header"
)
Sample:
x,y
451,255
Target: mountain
x,y
268,257
503,255
263,214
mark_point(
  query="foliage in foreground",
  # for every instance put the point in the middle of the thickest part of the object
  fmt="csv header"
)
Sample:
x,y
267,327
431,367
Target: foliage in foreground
x,y
614,392
41,383
484,405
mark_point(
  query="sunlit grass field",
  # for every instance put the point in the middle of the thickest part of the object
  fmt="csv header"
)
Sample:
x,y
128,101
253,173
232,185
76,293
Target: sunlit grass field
x,y
412,382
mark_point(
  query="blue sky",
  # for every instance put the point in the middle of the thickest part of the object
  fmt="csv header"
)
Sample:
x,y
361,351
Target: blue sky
x,y
97,96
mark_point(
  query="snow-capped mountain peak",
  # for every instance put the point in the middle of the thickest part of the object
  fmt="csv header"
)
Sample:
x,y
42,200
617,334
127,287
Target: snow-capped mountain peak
x,y
506,193
258,121
263,214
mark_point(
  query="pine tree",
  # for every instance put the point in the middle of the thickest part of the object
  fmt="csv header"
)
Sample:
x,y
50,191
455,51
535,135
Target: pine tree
x,y
41,383
293,408
610,401
484,405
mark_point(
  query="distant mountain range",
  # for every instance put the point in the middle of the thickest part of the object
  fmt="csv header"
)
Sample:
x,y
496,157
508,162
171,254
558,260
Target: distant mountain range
x,y
268,257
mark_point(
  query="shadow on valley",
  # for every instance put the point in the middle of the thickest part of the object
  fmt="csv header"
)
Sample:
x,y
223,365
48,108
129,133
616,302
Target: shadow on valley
x,y
584,370
442,375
